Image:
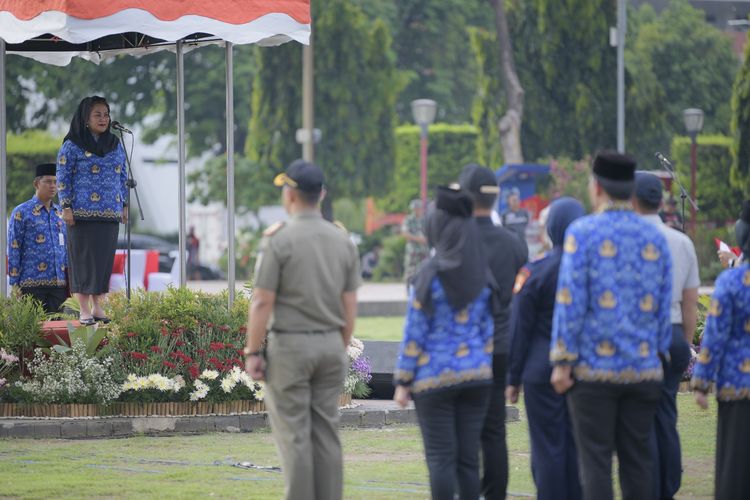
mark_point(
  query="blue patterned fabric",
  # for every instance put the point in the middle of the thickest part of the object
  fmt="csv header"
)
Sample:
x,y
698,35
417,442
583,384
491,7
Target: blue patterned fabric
x,y
94,186
36,257
725,349
449,349
611,318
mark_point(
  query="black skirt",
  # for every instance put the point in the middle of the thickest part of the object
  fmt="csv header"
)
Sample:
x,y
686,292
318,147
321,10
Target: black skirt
x,y
91,254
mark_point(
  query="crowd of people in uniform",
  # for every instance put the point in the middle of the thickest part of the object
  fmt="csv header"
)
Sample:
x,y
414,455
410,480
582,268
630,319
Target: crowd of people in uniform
x,y
595,334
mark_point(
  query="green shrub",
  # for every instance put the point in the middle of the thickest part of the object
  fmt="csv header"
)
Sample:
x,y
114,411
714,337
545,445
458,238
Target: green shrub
x,y
25,151
391,263
21,318
450,148
718,201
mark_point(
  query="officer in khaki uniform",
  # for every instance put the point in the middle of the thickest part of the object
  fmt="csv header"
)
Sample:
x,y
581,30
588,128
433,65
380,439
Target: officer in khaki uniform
x,y
305,294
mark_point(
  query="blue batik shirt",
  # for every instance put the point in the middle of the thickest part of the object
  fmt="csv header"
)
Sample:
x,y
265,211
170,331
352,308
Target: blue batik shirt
x,y
36,245
611,319
93,186
724,357
449,348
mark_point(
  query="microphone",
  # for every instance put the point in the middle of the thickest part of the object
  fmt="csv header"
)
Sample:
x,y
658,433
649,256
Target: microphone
x,y
118,126
663,159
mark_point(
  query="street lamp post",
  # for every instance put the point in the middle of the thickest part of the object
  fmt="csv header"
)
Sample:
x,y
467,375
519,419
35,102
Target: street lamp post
x,y
693,118
423,111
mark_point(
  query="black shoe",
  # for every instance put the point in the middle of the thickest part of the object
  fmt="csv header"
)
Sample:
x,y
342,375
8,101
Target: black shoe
x,y
103,320
87,321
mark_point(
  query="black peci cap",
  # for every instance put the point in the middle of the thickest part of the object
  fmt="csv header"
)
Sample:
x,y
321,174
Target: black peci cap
x,y
302,175
614,166
477,179
45,169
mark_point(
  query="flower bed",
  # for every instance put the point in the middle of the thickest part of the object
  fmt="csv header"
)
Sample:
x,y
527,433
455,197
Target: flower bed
x,y
173,353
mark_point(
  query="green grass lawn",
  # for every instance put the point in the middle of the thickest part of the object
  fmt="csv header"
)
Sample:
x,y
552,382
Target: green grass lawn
x,y
379,328
380,464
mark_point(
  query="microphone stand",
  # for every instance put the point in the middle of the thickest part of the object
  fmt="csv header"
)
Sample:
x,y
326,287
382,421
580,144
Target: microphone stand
x,y
683,192
131,184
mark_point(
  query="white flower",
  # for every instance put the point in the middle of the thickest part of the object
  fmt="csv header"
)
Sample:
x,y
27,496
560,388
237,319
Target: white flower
x,y
209,375
355,349
227,384
200,392
260,392
178,383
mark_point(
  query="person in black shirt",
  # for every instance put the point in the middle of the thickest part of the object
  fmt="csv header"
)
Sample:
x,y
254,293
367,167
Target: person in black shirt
x,y
506,254
515,218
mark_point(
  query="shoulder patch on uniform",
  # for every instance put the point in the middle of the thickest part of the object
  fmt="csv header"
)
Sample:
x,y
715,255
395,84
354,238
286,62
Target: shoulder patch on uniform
x,y
521,278
341,226
273,228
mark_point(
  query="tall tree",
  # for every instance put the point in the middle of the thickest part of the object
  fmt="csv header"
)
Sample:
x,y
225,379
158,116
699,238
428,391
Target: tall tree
x,y
356,84
740,172
509,125
674,60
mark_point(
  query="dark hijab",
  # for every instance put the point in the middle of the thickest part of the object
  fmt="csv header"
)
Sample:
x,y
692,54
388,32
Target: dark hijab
x,y
458,260
562,212
80,135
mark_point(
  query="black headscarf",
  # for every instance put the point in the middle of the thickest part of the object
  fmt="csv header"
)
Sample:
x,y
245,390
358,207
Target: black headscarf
x,y
562,212
458,260
82,137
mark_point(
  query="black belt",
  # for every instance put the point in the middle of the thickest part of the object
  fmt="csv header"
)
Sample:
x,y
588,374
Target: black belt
x,y
307,332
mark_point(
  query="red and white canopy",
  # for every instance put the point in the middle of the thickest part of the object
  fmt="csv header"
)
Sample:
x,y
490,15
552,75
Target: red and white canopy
x,y
101,26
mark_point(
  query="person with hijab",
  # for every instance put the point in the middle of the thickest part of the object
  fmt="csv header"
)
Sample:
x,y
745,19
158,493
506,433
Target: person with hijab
x,y
91,184
724,362
445,359
554,464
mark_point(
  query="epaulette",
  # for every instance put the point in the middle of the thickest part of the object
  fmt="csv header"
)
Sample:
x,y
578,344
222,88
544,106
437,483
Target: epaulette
x,y
341,226
273,229
521,278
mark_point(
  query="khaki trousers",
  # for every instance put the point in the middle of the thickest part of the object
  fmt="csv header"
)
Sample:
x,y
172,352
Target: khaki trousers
x,y
305,377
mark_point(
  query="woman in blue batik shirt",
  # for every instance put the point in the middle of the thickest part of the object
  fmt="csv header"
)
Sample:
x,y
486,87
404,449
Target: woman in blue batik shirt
x,y
91,184
445,362
724,359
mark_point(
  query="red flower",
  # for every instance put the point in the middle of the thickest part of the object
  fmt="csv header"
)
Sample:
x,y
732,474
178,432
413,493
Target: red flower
x,y
164,331
210,325
216,346
155,348
194,371
169,364
243,329
180,343
201,352
138,355
229,346
240,352
130,335
224,328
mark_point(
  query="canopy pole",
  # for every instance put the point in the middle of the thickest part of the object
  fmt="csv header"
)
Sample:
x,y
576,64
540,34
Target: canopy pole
x,y
3,175
230,171
181,161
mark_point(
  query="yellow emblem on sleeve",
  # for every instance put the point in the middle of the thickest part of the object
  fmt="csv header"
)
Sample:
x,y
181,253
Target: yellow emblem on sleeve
x,y
489,347
42,266
14,244
40,238
424,358
95,169
745,366
746,278
61,186
62,160
607,249
95,197
647,303
747,326
607,300
650,253
412,349
14,272
605,348
704,356
37,210
462,351
715,308
417,305
118,169
18,216
564,297
570,244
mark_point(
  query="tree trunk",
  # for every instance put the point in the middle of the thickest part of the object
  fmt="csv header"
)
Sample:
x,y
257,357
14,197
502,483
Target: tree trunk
x,y
510,124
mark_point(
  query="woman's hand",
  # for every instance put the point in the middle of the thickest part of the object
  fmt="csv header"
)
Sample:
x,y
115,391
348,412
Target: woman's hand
x,y
67,216
124,217
402,396
561,379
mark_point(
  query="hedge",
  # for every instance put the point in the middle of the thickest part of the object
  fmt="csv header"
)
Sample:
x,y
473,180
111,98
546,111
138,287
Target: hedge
x,y
25,151
717,200
450,148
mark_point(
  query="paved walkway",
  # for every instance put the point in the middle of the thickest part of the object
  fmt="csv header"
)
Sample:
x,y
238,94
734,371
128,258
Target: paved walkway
x,y
368,292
